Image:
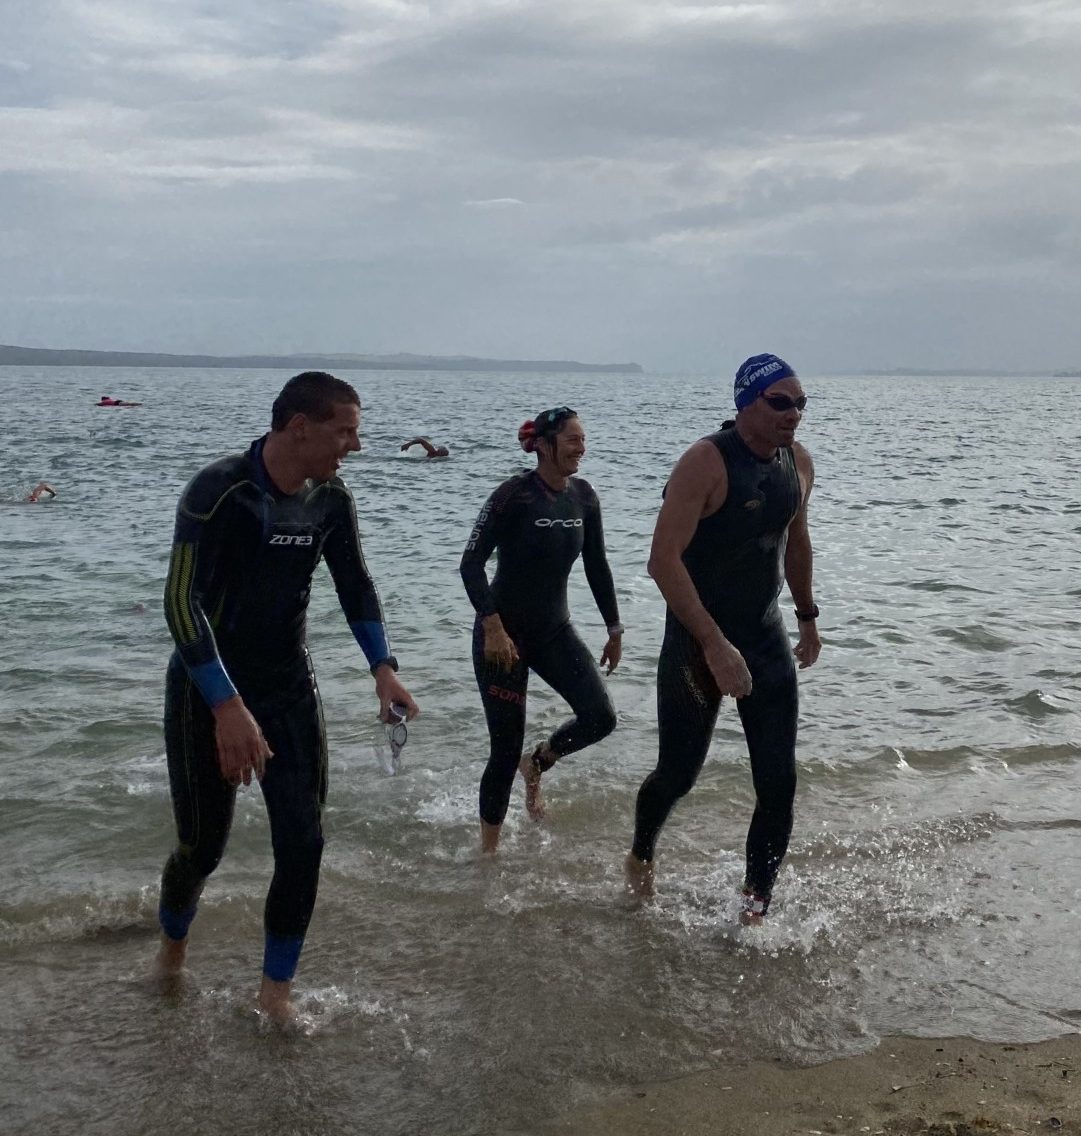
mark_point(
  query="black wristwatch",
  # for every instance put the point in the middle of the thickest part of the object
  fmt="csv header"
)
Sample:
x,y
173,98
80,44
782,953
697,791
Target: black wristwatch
x,y
807,616
389,661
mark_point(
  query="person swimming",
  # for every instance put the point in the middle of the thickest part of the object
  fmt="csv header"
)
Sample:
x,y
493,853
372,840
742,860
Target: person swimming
x,y
432,451
34,496
106,400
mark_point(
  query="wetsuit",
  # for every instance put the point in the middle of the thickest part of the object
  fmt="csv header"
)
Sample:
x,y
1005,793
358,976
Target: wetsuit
x,y
539,533
736,561
235,601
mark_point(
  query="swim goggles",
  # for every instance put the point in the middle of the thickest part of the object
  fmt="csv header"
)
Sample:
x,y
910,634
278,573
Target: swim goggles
x,y
548,420
397,732
781,402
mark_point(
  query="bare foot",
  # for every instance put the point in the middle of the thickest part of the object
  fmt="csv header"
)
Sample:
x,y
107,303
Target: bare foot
x,y
534,804
275,1002
489,838
638,877
169,972
170,958
753,913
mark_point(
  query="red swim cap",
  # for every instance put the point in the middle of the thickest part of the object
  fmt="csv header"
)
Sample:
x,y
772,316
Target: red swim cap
x,y
527,436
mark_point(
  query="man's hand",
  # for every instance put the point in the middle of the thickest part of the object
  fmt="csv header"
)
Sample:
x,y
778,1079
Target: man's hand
x,y
613,652
242,749
499,647
388,690
728,667
809,646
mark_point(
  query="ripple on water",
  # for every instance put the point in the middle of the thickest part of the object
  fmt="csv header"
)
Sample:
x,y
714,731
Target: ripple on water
x,y
1036,705
974,638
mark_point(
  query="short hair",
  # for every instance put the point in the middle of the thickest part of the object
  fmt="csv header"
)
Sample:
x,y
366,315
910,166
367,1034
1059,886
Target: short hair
x,y
314,394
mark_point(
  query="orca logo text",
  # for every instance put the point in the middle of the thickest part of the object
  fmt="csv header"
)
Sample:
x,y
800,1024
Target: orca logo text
x,y
555,522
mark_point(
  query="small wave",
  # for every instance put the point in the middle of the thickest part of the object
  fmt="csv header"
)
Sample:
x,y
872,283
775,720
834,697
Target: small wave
x,y
1037,705
930,760
892,636
903,840
975,638
952,757
1038,755
936,586
1022,510
77,918
930,711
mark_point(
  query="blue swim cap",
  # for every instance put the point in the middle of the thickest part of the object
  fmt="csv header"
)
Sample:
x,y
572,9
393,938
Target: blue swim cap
x,y
757,373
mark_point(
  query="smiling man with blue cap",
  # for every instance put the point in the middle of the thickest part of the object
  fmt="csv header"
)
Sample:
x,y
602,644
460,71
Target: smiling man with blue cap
x,y
731,531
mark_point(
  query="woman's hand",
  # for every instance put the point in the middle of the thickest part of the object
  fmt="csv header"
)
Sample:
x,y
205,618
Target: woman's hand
x,y
613,652
499,647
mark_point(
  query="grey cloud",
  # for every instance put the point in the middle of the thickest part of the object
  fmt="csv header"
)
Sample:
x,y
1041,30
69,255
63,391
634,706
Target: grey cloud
x,y
766,194
685,172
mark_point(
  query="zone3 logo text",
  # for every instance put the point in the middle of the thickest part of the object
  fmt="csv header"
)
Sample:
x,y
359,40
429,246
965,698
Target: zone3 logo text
x,y
282,538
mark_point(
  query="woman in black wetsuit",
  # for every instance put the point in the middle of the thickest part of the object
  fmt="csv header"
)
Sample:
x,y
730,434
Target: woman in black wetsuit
x,y
540,521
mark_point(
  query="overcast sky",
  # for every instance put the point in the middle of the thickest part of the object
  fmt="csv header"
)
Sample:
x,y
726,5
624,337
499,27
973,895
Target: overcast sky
x,y
849,183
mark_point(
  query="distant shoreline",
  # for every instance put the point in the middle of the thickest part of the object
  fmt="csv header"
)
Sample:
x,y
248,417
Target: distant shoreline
x,y
974,373
11,356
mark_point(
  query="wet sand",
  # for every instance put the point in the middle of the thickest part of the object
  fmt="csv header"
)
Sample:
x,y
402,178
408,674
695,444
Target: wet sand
x,y
947,1087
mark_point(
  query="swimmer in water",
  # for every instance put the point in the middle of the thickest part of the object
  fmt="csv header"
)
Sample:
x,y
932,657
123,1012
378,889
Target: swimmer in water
x,y
540,521
431,450
35,494
107,401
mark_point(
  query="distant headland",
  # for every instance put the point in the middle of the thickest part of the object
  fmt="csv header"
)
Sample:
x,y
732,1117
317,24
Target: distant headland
x,y
60,357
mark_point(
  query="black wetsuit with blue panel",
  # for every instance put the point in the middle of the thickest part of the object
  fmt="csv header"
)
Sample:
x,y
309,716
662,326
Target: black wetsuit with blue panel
x,y
236,602
736,562
537,533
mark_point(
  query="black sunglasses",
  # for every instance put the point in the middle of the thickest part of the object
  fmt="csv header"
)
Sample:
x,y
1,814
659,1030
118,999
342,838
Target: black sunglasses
x,y
781,402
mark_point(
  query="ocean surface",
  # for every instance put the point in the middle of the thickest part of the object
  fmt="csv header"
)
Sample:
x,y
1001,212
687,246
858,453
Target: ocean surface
x,y
933,882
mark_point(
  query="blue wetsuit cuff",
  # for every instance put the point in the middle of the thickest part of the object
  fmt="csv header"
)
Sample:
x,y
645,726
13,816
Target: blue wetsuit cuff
x,y
372,637
213,683
281,954
175,924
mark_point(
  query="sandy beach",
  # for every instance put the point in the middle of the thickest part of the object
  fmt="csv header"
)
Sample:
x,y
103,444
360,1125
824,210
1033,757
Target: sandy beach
x,y
949,1087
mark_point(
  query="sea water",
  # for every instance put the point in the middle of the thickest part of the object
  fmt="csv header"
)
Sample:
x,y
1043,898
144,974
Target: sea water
x,y
935,868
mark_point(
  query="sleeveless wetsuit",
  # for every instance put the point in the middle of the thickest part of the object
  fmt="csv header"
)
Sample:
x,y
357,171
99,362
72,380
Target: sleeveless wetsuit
x,y
236,600
538,533
736,562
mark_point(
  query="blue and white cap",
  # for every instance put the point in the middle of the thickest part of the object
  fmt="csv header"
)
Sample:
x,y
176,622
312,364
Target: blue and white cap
x,y
757,373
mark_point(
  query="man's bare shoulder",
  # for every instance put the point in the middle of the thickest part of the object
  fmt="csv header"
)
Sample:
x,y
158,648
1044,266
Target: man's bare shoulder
x,y
803,458
702,453
702,459
699,480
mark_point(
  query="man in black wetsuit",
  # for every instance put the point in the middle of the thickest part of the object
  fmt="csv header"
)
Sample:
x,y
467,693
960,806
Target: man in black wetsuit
x,y
540,522
732,528
240,695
